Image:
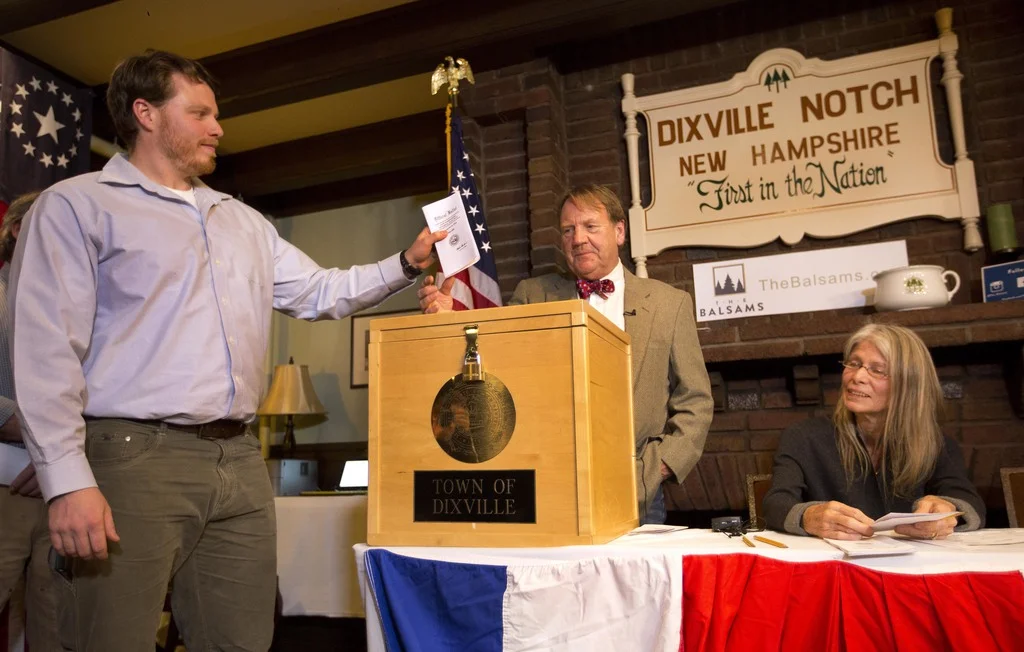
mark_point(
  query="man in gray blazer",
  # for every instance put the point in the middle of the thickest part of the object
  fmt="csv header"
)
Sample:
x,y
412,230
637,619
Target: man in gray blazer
x,y
672,403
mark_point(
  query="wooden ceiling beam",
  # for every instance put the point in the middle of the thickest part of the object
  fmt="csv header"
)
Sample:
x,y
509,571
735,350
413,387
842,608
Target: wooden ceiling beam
x,y
407,40
412,39
382,147
353,192
21,14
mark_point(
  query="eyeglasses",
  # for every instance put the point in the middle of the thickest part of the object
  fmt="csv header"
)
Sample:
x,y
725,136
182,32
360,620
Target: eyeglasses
x,y
857,365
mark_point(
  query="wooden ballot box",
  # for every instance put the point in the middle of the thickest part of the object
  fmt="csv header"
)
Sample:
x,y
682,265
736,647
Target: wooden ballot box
x,y
447,468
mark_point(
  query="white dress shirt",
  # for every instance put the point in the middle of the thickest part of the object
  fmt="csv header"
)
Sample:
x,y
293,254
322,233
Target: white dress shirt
x,y
615,305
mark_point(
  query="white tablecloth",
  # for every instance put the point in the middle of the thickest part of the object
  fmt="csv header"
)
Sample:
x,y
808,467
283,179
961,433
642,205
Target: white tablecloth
x,y
927,558
315,567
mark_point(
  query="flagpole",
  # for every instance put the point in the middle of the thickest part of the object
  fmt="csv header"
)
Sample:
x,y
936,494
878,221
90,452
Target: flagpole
x,y
476,286
448,141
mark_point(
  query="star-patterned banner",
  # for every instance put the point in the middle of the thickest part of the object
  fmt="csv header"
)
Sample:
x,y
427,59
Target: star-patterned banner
x,y
476,287
45,127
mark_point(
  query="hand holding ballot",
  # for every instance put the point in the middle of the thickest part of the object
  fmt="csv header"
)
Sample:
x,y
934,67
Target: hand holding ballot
x,y
936,526
457,249
420,253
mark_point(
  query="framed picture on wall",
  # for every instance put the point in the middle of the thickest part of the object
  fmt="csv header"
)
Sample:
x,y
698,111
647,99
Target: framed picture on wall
x,y
361,344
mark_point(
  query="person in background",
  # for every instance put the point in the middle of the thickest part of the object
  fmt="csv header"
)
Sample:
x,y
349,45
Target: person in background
x,y
672,404
24,529
883,450
141,302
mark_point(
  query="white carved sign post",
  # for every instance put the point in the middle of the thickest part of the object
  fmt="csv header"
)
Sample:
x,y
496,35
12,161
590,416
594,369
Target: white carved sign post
x,y
794,146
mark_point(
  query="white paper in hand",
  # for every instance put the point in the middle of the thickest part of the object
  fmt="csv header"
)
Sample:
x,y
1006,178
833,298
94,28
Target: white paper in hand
x,y
894,519
458,251
13,461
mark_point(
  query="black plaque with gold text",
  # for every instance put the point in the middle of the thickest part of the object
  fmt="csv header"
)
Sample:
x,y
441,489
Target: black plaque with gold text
x,y
475,496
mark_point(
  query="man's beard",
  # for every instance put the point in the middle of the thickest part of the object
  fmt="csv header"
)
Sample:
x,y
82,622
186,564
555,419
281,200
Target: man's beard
x,y
183,155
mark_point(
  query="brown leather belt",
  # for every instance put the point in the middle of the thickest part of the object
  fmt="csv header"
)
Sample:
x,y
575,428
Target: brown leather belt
x,y
219,429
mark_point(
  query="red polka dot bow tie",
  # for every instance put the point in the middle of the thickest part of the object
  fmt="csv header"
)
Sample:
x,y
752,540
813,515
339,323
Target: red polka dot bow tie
x,y
601,288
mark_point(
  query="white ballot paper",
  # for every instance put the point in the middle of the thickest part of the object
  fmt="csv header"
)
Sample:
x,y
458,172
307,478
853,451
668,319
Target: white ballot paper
x,y
872,547
893,519
968,540
655,528
458,251
13,461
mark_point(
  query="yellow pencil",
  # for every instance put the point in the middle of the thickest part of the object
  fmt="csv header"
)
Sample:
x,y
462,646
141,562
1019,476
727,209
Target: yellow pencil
x,y
770,542
747,541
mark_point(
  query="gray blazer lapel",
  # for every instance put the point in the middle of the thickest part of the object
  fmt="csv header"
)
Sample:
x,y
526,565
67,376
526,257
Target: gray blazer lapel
x,y
563,289
639,320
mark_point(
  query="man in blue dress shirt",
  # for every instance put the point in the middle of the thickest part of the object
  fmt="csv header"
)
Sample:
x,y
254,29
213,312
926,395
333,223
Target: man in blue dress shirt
x,y
141,307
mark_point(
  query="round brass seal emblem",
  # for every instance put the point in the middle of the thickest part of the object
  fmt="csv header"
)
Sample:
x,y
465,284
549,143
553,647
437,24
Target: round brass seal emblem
x,y
473,420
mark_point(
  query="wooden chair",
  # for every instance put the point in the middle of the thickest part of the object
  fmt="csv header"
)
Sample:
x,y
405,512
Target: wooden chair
x,y
757,487
1013,491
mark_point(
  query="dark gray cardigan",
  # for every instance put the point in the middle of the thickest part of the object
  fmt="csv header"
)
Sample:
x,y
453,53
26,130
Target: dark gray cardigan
x,y
808,471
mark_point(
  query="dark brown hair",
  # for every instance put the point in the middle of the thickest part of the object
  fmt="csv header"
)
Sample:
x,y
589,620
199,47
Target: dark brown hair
x,y
147,76
15,212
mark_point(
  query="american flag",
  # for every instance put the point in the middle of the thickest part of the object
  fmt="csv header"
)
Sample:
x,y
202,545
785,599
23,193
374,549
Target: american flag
x,y
45,126
476,287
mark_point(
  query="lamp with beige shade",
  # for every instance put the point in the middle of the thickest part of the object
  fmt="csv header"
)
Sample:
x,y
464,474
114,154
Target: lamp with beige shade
x,y
291,392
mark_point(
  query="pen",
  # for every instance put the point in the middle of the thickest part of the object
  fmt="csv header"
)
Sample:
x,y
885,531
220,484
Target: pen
x,y
747,541
770,542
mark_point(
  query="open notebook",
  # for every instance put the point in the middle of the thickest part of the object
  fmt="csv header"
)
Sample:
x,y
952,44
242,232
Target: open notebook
x,y
354,480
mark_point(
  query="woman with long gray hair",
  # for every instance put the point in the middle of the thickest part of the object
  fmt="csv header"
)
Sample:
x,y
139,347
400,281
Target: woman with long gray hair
x,y
883,450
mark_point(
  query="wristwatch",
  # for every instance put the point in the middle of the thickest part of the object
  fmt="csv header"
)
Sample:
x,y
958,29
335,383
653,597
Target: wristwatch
x,y
410,270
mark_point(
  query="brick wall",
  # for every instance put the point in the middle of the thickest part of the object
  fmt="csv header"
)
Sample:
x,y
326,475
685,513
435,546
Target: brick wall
x,y
724,42
519,112
564,115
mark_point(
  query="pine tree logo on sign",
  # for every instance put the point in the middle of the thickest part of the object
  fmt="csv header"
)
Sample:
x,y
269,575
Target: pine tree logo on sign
x,y
774,79
730,279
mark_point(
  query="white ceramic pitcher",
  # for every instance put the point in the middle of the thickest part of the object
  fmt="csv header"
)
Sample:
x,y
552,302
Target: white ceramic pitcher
x,y
915,286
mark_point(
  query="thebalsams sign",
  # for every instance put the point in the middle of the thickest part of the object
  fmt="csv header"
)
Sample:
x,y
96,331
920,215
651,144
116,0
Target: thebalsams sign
x,y
806,281
796,146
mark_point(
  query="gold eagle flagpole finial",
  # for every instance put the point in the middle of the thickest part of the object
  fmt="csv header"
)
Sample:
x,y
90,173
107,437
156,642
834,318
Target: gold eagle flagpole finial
x,y
450,72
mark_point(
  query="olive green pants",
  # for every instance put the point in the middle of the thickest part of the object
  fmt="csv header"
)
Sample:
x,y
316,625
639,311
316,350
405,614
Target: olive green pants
x,y
197,513
24,553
